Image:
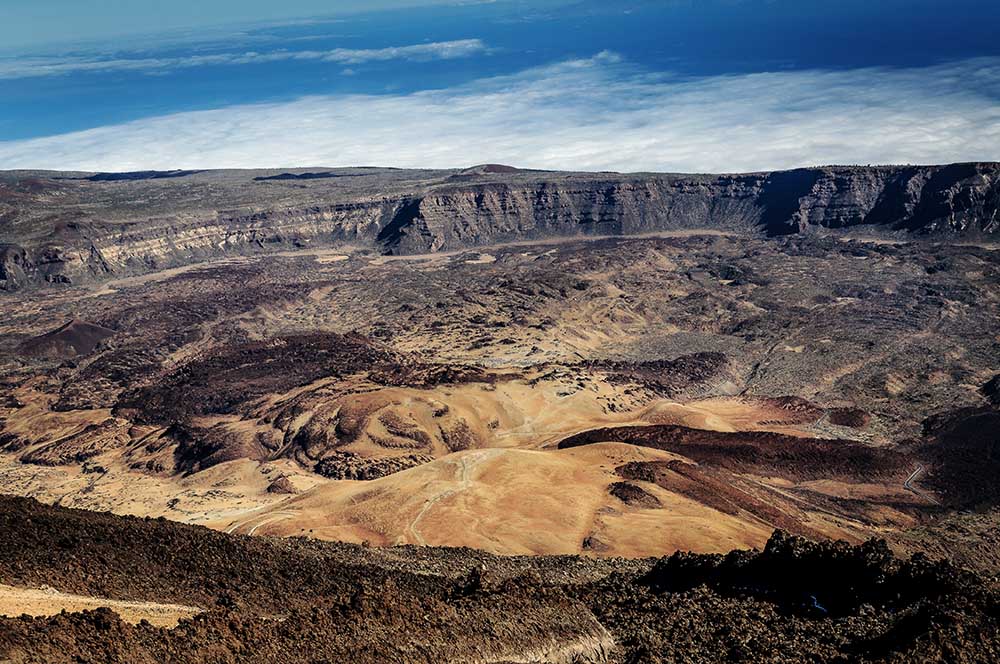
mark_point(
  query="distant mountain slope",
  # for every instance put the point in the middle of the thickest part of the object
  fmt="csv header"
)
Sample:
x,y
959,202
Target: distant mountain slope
x,y
68,227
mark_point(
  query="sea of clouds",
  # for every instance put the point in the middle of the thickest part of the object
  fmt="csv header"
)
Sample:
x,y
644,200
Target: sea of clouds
x,y
598,113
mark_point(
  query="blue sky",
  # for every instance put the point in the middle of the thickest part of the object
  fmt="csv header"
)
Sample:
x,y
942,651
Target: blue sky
x,y
712,85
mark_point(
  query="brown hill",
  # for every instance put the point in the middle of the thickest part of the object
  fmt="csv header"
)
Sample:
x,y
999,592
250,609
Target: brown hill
x,y
75,338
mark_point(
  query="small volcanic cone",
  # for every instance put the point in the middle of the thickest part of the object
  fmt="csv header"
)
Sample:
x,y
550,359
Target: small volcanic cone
x,y
73,339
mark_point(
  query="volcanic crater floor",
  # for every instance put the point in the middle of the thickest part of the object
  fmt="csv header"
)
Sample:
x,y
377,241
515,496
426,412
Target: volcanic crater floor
x,y
507,399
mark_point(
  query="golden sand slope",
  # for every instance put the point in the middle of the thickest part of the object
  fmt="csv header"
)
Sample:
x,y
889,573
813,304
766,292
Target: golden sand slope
x,y
16,601
508,501
520,495
511,492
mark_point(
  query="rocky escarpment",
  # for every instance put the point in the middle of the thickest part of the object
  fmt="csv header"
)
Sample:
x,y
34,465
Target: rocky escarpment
x,y
961,198
90,251
59,229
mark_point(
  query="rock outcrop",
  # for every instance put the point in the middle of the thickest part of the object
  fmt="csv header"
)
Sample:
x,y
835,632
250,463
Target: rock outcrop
x,y
56,228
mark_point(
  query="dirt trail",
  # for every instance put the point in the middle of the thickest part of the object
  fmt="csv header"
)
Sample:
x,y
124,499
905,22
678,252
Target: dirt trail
x,y
466,463
589,648
553,241
271,519
908,484
249,525
46,601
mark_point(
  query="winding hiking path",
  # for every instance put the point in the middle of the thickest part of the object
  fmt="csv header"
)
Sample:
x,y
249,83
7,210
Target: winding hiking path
x,y
264,519
908,484
463,466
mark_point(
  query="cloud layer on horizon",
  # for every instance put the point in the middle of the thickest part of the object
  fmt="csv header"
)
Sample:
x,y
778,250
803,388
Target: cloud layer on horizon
x,y
41,66
591,114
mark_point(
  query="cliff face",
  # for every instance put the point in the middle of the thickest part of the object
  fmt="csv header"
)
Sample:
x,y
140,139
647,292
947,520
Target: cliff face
x,y
95,251
959,198
227,232
464,216
963,198
60,229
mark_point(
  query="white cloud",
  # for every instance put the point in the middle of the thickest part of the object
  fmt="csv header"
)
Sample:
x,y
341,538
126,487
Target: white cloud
x,y
461,48
593,114
37,66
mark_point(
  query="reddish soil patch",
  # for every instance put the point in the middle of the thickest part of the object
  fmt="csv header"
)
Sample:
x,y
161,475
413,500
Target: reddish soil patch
x,y
794,410
719,490
849,417
759,452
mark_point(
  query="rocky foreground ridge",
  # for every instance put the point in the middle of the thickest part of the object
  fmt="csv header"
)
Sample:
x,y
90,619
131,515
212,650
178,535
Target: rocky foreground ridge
x,y
72,227
266,600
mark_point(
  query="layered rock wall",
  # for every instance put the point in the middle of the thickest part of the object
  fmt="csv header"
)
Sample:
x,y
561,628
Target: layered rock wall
x,y
463,211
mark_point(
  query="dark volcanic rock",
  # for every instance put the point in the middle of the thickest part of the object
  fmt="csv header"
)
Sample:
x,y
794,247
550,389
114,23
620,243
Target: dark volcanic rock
x,y
221,381
667,377
341,465
633,495
282,485
15,267
132,176
307,176
785,573
757,451
991,390
964,447
300,601
70,340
